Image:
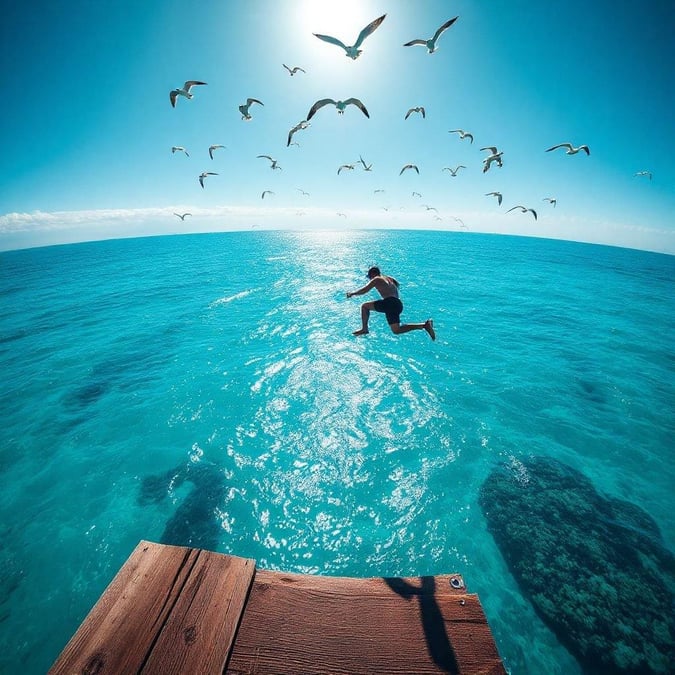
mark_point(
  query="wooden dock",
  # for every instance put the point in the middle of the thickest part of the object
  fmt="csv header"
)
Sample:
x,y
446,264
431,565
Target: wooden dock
x,y
172,609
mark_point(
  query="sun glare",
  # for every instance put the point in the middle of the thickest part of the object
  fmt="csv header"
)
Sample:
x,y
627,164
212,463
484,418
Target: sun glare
x,y
343,19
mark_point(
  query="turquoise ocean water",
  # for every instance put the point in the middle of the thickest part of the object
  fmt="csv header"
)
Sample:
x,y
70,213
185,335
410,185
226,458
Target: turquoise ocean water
x,y
207,390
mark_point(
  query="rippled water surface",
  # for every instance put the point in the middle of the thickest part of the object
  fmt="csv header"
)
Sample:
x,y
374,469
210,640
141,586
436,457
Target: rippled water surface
x,y
207,390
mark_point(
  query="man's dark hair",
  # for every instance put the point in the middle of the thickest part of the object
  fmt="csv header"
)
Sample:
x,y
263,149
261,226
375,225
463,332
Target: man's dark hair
x,y
374,272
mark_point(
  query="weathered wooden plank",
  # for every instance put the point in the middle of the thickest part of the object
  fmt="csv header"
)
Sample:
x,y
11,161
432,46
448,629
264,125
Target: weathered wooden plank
x,y
201,627
120,629
312,624
121,632
348,586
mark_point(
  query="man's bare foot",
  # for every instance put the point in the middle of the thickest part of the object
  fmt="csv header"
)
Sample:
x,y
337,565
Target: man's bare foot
x,y
360,331
429,328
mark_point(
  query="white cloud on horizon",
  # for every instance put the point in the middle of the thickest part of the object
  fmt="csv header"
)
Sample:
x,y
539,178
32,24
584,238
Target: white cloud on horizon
x,y
40,228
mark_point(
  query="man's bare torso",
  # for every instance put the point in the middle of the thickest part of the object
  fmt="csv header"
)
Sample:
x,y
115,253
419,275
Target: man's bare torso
x,y
386,286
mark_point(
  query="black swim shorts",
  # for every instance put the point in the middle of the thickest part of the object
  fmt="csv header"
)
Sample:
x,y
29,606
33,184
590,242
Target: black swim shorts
x,y
391,308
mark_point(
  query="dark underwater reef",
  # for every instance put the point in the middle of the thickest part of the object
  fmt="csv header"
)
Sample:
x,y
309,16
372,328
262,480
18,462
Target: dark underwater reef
x,y
594,568
195,522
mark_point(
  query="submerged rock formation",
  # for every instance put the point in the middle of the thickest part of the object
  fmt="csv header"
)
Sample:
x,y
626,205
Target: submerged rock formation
x,y
594,568
196,519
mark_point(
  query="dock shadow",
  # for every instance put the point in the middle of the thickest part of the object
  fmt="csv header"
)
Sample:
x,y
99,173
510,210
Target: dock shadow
x,y
437,639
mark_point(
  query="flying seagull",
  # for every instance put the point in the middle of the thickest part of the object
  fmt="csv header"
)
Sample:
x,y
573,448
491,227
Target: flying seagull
x,y
408,166
304,194
524,209
182,216
455,170
376,191
571,150
494,156
366,167
417,109
349,167
353,52
274,164
495,194
462,134
292,71
185,91
431,44
179,148
344,215
340,105
551,200
300,126
243,109
430,208
266,192
214,147
644,173
415,194
203,175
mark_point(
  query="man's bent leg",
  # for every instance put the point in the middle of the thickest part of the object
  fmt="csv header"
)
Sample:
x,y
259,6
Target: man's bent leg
x,y
365,315
428,326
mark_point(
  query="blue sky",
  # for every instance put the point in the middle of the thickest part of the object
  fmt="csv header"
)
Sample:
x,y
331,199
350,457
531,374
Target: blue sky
x,y
88,125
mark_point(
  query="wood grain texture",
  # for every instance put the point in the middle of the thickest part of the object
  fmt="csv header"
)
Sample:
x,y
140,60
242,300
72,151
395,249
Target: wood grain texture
x,y
199,632
175,610
312,624
145,604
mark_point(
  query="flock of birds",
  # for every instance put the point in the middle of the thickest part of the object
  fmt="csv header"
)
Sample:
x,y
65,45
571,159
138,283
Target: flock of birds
x,y
494,155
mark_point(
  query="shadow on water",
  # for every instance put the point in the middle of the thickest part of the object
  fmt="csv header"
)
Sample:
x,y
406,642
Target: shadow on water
x,y
195,522
126,371
594,568
438,642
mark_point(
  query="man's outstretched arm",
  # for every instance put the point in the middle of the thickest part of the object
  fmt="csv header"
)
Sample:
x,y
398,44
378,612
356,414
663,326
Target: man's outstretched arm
x,y
364,289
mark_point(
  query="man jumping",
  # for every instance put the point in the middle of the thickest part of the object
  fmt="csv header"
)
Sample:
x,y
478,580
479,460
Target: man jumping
x,y
390,305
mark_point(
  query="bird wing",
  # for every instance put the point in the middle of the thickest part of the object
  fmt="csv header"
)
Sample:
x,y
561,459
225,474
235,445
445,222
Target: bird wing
x,y
319,104
191,83
368,30
491,148
468,135
416,42
358,104
499,199
424,114
408,113
516,207
445,26
172,97
534,213
332,40
266,157
286,67
249,101
585,148
560,145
